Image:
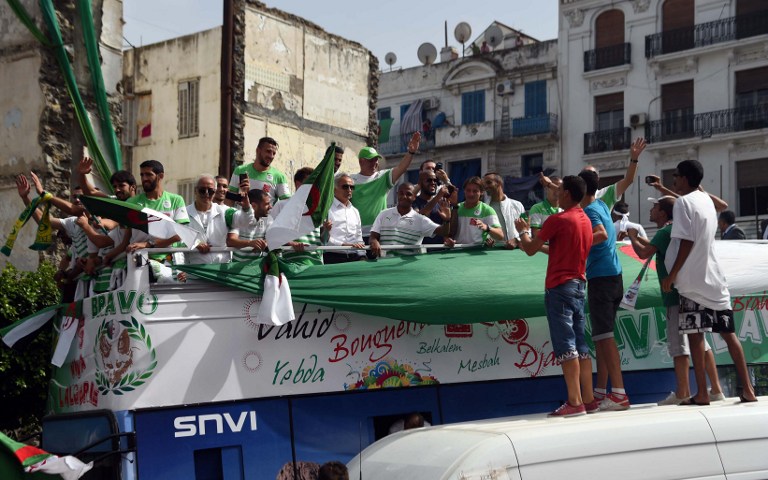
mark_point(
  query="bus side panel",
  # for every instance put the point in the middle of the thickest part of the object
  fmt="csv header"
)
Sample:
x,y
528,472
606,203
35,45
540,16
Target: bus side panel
x,y
249,439
336,427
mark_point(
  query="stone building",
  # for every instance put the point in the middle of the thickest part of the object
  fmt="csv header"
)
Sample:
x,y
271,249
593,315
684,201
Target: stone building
x,y
690,76
200,103
39,130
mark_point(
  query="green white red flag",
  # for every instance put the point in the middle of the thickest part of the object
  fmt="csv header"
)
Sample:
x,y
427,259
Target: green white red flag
x,y
18,460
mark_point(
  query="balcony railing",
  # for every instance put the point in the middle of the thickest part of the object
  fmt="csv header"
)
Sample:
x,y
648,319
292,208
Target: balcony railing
x,y
709,33
538,125
607,140
399,143
608,57
707,124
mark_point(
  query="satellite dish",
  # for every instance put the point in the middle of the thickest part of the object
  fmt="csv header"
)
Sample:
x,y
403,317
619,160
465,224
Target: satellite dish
x,y
427,53
390,58
494,35
462,32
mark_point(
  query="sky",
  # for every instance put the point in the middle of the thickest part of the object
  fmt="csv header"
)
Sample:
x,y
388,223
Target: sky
x,y
395,26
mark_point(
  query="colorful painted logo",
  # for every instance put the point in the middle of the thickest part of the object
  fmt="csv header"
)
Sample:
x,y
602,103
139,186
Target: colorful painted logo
x,y
389,374
116,344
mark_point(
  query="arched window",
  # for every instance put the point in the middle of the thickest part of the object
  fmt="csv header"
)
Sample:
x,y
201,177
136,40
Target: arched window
x,y
677,23
610,47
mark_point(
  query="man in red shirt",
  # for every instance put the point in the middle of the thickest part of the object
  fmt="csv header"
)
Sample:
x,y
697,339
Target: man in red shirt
x,y
569,234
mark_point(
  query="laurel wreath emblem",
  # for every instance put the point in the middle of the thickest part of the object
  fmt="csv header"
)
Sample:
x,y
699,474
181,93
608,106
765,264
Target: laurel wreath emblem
x,y
136,378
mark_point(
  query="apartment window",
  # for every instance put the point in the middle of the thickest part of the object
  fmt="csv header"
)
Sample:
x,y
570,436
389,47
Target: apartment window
x,y
609,29
535,98
609,111
473,107
384,113
677,109
186,188
189,112
143,124
752,184
532,164
677,23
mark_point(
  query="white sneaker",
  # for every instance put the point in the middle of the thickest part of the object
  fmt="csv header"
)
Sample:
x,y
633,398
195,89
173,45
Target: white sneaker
x,y
716,397
614,403
672,400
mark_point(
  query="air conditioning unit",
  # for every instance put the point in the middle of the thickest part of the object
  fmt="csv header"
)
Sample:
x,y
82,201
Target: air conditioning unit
x,y
431,103
505,88
637,119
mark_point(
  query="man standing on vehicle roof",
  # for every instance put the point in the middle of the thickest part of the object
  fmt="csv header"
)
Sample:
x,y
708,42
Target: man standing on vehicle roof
x,y
261,174
606,289
695,272
569,234
372,184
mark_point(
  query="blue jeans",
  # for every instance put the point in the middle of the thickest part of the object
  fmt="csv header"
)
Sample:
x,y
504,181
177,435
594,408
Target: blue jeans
x,y
565,315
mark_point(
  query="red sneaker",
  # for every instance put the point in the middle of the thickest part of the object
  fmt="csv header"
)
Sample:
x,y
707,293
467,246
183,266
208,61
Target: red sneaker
x,y
568,410
614,403
593,406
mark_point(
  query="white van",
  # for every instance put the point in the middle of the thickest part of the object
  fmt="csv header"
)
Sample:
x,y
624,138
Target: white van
x,y
726,440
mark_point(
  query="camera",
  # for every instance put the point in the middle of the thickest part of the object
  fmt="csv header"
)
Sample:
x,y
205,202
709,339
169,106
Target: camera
x,y
650,179
439,166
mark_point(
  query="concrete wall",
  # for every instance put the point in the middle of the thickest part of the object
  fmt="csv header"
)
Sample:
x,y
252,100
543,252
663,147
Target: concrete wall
x,y
304,87
157,69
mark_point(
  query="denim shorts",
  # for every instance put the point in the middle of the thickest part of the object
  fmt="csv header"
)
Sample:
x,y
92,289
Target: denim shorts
x,y
565,315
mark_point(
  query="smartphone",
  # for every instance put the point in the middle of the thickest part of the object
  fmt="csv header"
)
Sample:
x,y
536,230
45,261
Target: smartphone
x,y
243,177
650,179
439,166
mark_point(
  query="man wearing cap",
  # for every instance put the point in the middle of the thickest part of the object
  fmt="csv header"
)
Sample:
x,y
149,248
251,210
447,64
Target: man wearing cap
x,y
372,184
261,174
677,343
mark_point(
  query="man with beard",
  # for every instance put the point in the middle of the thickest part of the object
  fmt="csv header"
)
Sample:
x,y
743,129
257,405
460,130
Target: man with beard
x,y
123,182
261,174
433,202
154,197
222,186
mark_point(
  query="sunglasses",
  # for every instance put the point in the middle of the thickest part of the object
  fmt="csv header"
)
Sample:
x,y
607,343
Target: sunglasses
x,y
348,187
206,191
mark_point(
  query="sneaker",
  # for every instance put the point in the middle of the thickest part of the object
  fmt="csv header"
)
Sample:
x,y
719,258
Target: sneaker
x,y
593,406
716,397
672,399
568,410
613,403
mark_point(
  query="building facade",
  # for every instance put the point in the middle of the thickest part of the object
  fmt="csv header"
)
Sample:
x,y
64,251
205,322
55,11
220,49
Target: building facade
x,y
488,112
690,76
287,79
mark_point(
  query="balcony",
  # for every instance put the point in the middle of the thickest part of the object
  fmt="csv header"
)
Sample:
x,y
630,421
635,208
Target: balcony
x,y
607,57
607,140
703,34
538,125
398,144
707,124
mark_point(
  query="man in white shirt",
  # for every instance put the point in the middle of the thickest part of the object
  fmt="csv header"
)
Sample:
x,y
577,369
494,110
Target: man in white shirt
x,y
212,220
620,217
507,210
705,302
249,227
345,225
402,225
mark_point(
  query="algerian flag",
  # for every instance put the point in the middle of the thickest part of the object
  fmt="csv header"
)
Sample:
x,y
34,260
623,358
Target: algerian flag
x,y
308,207
69,324
302,213
27,326
147,220
16,456
276,305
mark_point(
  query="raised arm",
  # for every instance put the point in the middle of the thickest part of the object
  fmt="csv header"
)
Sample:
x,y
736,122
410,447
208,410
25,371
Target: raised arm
x,y
634,154
402,167
63,205
84,167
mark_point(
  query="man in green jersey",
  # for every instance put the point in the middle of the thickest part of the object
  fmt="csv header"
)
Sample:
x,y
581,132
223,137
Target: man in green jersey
x,y
154,197
261,174
539,212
